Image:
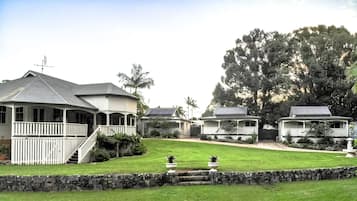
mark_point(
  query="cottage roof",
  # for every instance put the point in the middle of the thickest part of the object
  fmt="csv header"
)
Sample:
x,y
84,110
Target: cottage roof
x,y
296,111
230,111
36,87
101,89
161,112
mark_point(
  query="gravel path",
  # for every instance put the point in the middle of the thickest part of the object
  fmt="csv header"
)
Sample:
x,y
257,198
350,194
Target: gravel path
x,y
259,145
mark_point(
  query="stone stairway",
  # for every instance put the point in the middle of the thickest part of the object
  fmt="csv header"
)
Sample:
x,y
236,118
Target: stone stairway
x,y
198,177
73,159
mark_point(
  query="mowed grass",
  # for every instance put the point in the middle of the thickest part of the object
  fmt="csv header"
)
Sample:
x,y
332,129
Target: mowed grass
x,y
341,190
191,156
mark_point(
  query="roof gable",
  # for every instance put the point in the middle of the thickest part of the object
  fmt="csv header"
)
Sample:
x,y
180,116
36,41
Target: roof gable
x,y
230,111
296,111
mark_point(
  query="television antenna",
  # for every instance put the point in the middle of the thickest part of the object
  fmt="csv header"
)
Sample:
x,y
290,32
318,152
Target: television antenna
x,y
44,64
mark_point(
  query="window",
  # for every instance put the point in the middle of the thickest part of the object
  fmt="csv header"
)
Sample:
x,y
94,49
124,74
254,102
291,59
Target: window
x,y
81,118
19,114
250,123
57,115
336,124
38,115
2,115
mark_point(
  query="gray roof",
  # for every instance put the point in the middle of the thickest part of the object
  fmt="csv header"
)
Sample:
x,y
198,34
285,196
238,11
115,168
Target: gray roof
x,y
309,111
161,112
230,111
317,118
101,89
36,87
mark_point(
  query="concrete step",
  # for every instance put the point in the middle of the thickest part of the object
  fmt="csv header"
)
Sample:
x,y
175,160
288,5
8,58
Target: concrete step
x,y
193,178
190,183
194,173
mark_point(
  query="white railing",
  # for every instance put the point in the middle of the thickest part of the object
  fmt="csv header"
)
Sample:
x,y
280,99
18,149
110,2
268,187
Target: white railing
x,y
131,130
240,130
76,129
88,145
113,129
49,129
43,150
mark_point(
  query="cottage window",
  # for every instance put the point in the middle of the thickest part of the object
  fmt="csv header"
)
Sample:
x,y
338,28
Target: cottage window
x,y
57,115
250,123
2,115
336,124
19,114
38,115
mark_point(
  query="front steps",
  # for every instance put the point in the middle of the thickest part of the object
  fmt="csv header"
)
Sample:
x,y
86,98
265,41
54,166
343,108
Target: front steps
x,y
73,159
198,177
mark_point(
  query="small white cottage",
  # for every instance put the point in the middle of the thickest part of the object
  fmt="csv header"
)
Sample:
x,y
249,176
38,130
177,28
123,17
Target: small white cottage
x,y
303,120
230,122
164,121
47,120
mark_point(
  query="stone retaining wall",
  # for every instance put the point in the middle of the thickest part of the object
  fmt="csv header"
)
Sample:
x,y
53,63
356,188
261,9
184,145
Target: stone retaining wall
x,y
122,181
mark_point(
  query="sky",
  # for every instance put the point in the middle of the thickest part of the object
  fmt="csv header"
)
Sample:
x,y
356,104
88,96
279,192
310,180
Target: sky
x,y
181,43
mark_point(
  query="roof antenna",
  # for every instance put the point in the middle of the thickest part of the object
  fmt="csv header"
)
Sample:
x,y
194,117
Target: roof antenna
x,y
44,64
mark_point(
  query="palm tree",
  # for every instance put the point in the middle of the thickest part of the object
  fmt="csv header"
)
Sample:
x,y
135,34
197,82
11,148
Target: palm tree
x,y
180,111
190,102
137,80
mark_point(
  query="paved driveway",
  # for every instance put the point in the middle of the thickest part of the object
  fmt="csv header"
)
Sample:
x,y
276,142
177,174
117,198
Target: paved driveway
x,y
260,145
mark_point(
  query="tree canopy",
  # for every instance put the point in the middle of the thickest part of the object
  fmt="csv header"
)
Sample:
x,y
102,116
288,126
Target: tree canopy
x,y
270,71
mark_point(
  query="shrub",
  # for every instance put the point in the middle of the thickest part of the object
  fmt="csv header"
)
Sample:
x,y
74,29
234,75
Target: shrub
x,y
203,137
139,149
305,140
249,140
100,155
154,133
106,142
326,140
177,134
4,149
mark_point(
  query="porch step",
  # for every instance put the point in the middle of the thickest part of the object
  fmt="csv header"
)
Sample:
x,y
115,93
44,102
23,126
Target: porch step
x,y
193,178
190,183
198,177
73,159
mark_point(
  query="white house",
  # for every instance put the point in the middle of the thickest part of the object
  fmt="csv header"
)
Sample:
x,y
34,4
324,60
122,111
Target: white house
x,y
165,121
47,120
302,119
230,122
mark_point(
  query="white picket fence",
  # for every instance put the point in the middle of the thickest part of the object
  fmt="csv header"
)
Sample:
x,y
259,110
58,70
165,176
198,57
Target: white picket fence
x,y
43,150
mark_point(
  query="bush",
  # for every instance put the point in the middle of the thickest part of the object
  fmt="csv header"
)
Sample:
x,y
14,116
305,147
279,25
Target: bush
x,y
139,149
4,149
305,140
326,140
177,134
106,142
249,140
100,155
203,137
228,138
154,133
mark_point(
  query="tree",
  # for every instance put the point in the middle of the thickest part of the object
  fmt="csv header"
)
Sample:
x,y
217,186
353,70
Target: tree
x,y
136,81
180,111
256,72
322,55
190,102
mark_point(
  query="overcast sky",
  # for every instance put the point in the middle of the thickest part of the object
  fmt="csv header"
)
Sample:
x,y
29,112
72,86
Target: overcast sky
x,y
181,43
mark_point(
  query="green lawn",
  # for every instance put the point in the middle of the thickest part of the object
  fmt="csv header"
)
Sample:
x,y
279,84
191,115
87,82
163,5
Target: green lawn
x,y
192,155
341,190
